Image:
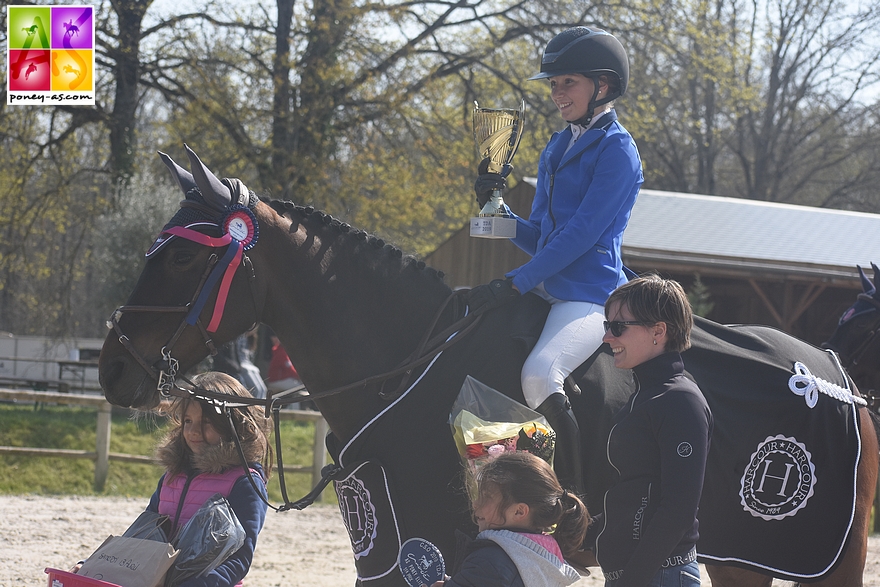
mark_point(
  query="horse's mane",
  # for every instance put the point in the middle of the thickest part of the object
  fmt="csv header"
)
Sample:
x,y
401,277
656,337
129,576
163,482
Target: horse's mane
x,y
368,249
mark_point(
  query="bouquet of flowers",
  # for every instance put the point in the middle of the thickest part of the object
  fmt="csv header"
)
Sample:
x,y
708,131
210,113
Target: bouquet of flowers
x,y
486,423
483,441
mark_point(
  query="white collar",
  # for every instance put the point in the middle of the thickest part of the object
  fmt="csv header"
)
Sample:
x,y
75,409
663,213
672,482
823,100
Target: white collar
x,y
577,130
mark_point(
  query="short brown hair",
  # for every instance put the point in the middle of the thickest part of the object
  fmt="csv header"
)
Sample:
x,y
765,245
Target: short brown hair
x,y
652,299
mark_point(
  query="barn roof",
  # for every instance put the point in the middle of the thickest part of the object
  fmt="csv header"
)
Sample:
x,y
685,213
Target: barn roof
x,y
732,235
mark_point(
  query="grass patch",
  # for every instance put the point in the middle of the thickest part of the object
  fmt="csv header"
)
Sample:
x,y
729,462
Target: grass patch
x,y
71,427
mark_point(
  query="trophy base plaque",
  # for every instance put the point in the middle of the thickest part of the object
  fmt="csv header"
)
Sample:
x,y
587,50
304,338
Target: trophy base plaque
x,y
493,227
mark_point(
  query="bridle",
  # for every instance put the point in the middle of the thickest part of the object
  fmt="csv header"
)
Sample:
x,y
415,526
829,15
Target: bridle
x,y
167,375
167,372
227,265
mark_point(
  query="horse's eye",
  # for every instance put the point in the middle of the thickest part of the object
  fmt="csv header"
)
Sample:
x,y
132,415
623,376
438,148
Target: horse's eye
x,y
183,257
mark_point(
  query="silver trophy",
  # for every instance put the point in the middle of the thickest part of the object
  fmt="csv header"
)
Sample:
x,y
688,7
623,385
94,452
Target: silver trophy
x,y
497,132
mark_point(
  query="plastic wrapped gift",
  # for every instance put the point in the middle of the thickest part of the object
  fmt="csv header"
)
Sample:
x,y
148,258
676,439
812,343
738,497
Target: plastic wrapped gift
x,y
486,423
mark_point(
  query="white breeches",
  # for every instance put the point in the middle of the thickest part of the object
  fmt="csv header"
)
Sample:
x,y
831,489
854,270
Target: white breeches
x,y
572,333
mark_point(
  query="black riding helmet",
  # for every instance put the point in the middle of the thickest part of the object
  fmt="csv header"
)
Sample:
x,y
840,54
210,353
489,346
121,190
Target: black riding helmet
x,y
589,52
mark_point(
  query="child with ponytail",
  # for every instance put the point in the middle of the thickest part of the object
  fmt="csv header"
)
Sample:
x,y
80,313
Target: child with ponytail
x,y
528,523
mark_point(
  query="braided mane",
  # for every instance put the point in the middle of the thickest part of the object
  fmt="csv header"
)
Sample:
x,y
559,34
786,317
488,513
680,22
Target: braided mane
x,y
372,250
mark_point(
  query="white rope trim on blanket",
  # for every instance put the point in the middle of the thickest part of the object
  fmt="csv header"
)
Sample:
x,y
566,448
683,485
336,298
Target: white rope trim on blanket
x,y
808,385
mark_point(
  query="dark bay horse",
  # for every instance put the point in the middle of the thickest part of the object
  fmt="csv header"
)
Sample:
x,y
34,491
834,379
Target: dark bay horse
x,y
856,340
349,307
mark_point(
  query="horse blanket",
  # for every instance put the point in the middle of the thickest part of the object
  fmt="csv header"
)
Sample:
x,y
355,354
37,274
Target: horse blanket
x,y
402,475
785,448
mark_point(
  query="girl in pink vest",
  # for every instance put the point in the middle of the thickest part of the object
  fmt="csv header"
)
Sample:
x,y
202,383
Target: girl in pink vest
x,y
201,459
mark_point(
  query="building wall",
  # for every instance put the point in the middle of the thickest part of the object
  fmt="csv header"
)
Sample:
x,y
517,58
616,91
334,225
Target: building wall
x,y
734,301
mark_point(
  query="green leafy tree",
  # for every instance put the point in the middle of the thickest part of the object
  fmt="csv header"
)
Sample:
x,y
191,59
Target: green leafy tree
x,y
364,109
47,212
277,96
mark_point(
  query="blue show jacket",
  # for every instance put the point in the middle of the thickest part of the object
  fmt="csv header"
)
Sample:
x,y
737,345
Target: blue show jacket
x,y
582,205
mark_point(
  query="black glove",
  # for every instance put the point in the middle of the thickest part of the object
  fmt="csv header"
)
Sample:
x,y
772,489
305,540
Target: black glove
x,y
488,182
493,293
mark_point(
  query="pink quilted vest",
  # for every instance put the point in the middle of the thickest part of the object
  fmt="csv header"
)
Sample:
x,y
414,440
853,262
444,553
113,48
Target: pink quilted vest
x,y
200,490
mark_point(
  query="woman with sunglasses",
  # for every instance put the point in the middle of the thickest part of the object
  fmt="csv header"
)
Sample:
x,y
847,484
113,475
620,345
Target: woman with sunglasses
x,y
658,443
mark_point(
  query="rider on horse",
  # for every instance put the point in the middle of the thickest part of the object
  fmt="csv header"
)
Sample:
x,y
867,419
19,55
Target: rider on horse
x,y
588,179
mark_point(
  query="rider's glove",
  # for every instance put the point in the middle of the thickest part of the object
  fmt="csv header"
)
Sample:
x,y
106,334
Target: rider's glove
x,y
493,293
488,182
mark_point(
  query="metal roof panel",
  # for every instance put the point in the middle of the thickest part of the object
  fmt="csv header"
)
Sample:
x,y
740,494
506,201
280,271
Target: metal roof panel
x,y
748,229
750,234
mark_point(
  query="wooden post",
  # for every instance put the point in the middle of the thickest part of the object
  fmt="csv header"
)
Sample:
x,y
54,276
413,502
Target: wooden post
x,y
319,457
102,446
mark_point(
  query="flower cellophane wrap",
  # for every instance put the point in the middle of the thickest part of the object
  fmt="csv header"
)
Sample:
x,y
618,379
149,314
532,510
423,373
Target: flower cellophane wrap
x,y
486,423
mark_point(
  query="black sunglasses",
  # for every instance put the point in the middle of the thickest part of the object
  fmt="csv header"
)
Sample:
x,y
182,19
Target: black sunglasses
x,y
618,326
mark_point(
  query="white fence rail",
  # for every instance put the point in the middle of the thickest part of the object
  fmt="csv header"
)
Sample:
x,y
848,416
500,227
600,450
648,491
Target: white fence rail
x,y
102,455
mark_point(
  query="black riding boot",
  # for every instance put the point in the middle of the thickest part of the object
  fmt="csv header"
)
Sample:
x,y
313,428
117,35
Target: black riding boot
x,y
567,460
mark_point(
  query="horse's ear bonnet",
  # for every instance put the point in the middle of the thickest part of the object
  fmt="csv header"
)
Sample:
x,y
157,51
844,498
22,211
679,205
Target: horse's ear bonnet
x,y
217,195
869,290
207,198
184,178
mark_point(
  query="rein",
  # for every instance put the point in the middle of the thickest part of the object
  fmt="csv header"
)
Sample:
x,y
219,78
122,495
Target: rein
x,y
424,352
166,375
428,348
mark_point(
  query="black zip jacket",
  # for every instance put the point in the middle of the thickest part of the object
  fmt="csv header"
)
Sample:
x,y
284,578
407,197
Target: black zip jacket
x,y
658,444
